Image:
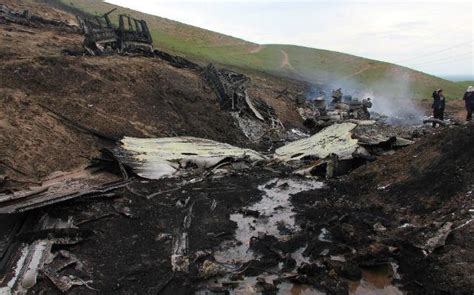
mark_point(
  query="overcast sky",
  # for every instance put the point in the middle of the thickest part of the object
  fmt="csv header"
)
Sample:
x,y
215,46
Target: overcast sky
x,y
434,37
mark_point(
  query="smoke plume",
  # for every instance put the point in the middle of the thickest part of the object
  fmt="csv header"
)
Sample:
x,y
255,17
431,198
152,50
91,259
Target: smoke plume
x,y
391,95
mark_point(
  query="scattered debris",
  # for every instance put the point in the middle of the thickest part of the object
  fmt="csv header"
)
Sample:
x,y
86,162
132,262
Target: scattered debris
x,y
318,113
437,121
439,238
230,88
28,258
236,220
53,271
25,201
179,257
177,61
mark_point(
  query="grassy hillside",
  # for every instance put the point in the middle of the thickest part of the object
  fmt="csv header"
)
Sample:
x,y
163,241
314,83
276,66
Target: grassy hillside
x,y
466,84
314,65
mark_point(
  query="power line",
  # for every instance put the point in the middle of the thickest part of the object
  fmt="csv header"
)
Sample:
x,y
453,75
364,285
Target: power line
x,y
447,61
436,58
437,52
466,54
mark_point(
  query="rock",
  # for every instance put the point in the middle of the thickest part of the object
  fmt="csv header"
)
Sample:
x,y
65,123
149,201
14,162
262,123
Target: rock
x,y
210,269
164,237
310,269
439,238
350,271
378,227
265,288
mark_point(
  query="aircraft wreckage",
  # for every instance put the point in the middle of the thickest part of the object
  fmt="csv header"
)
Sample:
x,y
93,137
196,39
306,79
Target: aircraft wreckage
x,y
155,158
191,170
100,34
189,158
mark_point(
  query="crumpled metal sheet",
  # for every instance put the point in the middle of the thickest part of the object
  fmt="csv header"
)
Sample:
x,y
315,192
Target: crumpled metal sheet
x,y
379,135
156,158
63,191
400,142
335,139
375,139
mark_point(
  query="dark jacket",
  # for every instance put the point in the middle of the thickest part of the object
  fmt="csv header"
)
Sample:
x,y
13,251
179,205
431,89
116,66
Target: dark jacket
x,y
469,99
439,102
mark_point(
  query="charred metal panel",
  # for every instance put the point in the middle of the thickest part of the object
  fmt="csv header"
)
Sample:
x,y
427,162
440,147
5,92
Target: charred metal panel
x,y
101,36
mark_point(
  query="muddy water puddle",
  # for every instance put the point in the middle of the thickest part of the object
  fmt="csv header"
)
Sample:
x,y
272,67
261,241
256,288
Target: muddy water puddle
x,y
377,281
274,215
254,285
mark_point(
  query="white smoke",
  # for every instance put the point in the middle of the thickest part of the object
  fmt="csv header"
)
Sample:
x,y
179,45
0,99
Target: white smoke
x,y
391,96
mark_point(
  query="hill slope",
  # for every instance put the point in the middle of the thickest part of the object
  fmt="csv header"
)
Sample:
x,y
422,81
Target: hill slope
x,y
466,84
314,65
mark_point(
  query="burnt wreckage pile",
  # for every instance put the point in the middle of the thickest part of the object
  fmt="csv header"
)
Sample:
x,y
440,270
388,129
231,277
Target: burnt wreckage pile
x,y
230,88
317,112
133,35
101,36
25,18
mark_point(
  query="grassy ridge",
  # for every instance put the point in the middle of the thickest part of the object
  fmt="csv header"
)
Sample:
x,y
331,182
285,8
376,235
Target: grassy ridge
x,y
314,65
466,84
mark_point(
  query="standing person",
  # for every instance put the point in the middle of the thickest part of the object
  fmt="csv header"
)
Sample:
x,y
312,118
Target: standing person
x,y
439,102
336,96
469,101
366,105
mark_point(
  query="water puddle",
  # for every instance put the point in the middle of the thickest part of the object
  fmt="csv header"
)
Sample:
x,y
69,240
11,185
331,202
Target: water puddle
x,y
292,289
272,215
256,285
377,281
275,217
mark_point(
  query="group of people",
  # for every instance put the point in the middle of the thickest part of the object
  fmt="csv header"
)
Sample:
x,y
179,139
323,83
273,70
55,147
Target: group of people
x,y
439,104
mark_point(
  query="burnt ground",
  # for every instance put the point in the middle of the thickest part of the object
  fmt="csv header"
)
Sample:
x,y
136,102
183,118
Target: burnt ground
x,y
131,245
57,111
383,212
388,209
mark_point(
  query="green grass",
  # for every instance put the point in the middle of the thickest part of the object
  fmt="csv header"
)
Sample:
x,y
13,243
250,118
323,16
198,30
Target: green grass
x,y
313,65
466,84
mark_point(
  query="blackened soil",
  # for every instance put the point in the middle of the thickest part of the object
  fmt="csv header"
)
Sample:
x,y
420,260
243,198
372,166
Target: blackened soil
x,y
130,248
386,211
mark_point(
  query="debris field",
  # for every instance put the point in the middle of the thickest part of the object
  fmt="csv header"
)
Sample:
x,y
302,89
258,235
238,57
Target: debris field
x,y
127,170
